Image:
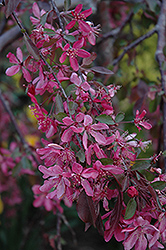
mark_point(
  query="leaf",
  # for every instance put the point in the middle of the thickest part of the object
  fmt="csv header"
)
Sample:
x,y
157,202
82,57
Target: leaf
x,y
69,38
88,212
130,209
70,89
119,117
60,116
44,18
152,4
160,185
105,119
106,161
58,104
67,4
73,106
32,49
102,70
81,155
10,6
74,147
141,165
89,60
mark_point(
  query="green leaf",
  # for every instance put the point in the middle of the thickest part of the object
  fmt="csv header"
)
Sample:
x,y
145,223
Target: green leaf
x,y
67,4
60,116
119,117
81,155
73,106
25,163
106,161
70,89
58,104
49,32
160,185
102,70
152,4
141,165
69,38
105,119
130,209
74,147
44,18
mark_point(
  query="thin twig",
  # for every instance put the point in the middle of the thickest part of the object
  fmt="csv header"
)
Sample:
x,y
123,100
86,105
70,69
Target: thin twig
x,y
58,14
12,118
134,44
115,32
59,245
161,31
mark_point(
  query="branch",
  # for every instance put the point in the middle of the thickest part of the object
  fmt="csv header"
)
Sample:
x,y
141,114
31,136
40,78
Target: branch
x,y
9,36
12,118
114,33
161,31
134,44
58,14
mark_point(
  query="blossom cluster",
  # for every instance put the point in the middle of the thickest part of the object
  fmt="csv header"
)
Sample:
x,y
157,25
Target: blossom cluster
x,y
87,154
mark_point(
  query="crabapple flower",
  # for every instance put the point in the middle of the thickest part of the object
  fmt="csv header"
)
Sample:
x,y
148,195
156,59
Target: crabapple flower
x,y
140,235
80,17
140,121
73,53
132,192
19,65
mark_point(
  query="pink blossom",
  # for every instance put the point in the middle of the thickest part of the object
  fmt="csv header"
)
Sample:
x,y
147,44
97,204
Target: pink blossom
x,y
132,192
80,17
139,120
73,53
19,65
140,235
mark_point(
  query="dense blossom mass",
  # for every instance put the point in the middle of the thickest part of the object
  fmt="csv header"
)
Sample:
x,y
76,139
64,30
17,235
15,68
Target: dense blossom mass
x,y
87,156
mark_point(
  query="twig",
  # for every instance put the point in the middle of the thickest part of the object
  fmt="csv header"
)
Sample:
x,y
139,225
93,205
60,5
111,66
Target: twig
x,y
70,228
58,14
59,245
9,36
134,44
161,31
12,118
114,33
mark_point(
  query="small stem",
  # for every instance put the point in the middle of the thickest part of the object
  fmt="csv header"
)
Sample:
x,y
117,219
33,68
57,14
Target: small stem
x,y
12,118
58,14
59,245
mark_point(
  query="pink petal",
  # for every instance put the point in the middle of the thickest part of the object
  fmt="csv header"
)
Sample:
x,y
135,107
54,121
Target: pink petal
x,y
78,44
19,54
85,140
87,120
51,131
83,53
78,8
36,10
70,25
77,168
74,63
86,185
75,79
99,137
141,243
99,126
85,86
80,117
90,173
77,130
67,121
67,134
26,75
113,169
13,70
60,189
84,26
87,12
131,240
118,234
91,38
63,57
12,58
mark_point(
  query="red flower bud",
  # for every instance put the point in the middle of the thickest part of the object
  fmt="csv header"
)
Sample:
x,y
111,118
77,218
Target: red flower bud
x,y
132,192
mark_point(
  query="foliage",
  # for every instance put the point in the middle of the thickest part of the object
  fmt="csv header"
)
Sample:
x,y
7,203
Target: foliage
x,y
92,154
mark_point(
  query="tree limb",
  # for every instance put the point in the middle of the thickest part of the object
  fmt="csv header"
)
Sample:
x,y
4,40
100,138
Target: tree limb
x,y
133,45
161,31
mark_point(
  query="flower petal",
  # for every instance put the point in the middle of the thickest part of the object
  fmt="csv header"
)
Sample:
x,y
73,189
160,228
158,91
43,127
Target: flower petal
x,y
13,70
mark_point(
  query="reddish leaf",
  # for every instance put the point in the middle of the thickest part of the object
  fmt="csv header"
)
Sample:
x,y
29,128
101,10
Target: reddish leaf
x,y
89,212
10,6
89,60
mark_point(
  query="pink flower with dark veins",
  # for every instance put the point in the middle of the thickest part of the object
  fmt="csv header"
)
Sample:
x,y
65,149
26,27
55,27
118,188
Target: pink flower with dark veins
x,y
19,65
73,53
80,17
